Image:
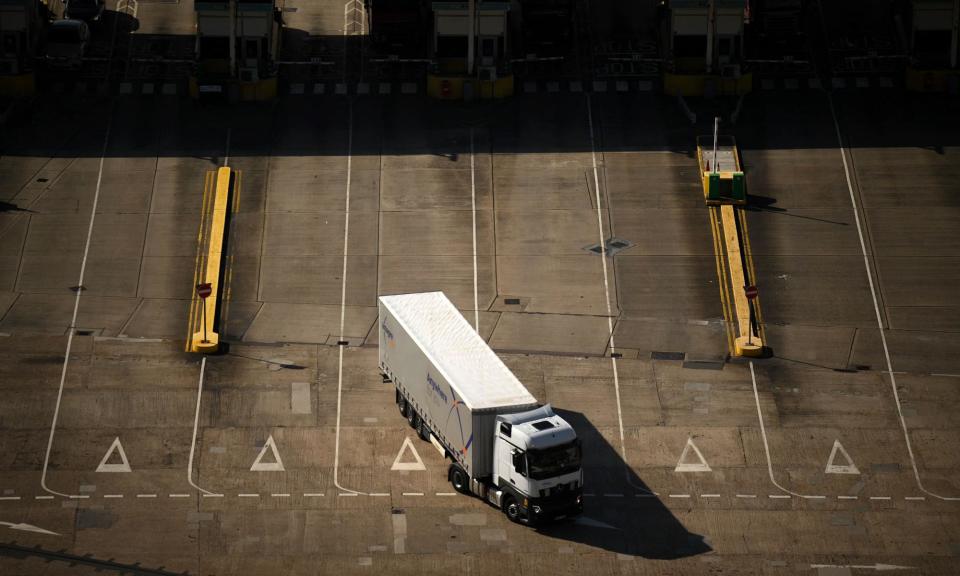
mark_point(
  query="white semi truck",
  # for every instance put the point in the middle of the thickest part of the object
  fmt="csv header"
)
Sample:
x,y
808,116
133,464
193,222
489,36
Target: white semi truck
x,y
454,391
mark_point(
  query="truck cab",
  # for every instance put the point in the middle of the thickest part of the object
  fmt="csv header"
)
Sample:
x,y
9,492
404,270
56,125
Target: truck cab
x,y
536,466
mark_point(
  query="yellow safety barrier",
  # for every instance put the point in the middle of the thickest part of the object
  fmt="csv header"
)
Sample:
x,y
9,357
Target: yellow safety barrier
x,y
746,342
206,339
452,87
696,84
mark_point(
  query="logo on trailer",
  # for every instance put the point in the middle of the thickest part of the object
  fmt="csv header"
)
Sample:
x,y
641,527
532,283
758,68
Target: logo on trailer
x,y
465,441
391,342
435,388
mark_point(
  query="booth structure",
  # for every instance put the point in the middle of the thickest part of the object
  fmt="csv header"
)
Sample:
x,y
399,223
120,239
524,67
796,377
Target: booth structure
x,y
934,46
706,48
470,44
237,43
20,26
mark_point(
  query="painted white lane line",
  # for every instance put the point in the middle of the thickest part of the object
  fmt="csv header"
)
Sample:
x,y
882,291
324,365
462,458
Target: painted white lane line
x,y
876,309
709,495
313,495
248,495
146,495
348,494
613,495
113,495
847,497
178,496
917,498
76,306
379,494
880,498
9,497
79,496
43,497
678,495
280,495
343,298
606,294
779,496
746,495
446,493
473,205
211,495
413,493
766,444
196,424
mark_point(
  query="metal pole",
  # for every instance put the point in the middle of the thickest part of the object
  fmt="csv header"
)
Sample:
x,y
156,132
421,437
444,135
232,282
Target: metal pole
x,y
203,302
233,35
471,33
716,132
711,32
954,33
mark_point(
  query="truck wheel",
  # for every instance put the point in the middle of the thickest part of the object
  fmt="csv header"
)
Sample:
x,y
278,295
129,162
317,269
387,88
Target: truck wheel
x,y
402,404
511,509
424,431
459,480
413,418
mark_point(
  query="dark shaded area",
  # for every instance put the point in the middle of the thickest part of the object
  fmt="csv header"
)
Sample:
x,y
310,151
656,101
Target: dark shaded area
x,y
14,550
635,526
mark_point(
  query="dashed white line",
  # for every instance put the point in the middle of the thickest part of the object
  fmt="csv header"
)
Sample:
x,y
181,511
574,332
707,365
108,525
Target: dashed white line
x,y
709,495
679,495
379,494
9,497
876,309
43,497
918,498
847,497
79,496
179,496
313,495
446,493
746,495
348,494
413,493
280,495
248,495
880,498
779,496
113,495
212,495
146,495
613,495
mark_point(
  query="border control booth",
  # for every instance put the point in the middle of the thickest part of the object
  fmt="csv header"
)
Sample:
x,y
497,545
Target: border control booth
x,y
706,48
237,43
20,26
471,52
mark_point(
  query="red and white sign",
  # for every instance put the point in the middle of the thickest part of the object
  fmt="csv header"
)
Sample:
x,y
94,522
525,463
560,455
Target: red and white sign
x,y
204,290
751,292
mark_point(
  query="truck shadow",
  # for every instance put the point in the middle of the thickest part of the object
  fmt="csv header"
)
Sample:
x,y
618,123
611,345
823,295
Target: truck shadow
x,y
615,518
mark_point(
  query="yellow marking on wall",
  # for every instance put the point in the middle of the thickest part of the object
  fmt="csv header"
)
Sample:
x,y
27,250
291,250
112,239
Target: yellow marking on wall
x,y
746,343
718,251
748,253
198,261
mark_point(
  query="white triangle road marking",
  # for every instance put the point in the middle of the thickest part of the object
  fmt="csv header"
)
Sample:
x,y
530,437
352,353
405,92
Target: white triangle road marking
x,y
124,465
700,466
848,468
398,465
260,466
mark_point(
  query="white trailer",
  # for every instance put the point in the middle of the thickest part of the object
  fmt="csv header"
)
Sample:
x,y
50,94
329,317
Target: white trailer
x,y
453,389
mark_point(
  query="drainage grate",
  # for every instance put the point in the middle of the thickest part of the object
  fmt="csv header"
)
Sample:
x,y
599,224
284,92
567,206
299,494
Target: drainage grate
x,y
84,332
78,288
43,180
613,245
511,301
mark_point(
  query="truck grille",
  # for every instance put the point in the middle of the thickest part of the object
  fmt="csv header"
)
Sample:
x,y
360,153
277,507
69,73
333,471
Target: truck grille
x,y
559,489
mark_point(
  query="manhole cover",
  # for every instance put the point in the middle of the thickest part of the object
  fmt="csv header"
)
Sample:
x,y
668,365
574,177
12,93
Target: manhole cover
x,y
612,245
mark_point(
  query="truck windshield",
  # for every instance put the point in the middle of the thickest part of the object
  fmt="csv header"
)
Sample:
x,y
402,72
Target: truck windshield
x,y
554,461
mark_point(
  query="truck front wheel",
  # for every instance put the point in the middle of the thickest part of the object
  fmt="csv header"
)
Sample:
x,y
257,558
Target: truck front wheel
x,y
511,508
459,480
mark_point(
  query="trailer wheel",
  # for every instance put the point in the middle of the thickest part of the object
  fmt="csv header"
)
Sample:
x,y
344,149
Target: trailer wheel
x,y
402,404
511,509
413,418
459,480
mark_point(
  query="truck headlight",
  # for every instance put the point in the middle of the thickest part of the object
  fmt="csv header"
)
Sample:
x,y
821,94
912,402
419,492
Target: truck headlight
x,y
536,509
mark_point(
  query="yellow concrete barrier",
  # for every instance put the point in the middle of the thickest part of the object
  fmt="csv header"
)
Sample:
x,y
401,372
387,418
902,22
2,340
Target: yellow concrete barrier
x,y
206,339
695,84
